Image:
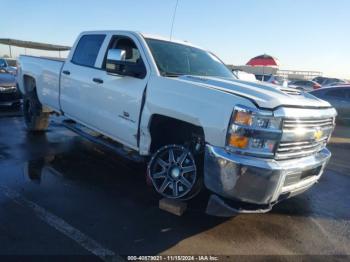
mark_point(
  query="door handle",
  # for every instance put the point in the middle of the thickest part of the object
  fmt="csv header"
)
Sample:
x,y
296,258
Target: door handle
x,y
97,80
66,72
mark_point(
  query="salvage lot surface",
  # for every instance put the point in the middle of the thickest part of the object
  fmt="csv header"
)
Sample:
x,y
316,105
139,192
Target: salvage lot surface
x,y
60,194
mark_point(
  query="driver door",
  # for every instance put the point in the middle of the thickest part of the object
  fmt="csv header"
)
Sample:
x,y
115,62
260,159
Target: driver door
x,y
119,98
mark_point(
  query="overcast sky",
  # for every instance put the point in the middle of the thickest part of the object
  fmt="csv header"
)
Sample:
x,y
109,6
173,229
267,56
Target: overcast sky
x,y
303,34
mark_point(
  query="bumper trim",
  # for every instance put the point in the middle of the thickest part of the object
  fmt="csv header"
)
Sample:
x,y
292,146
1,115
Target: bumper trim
x,y
218,207
256,180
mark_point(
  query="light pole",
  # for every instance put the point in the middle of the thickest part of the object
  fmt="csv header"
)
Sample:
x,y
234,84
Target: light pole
x,y
10,51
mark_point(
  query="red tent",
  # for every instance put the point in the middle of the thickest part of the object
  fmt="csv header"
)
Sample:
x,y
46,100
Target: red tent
x,y
264,60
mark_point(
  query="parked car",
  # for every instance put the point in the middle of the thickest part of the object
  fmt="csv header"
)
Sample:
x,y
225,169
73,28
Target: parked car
x,y
339,98
326,81
9,94
333,82
8,65
3,64
304,85
11,62
180,109
273,79
343,83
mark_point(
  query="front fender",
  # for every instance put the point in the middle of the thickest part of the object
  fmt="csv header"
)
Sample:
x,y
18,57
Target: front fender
x,y
204,107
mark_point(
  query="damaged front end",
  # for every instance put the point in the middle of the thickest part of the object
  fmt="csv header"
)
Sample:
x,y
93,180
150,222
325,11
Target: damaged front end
x,y
244,184
250,176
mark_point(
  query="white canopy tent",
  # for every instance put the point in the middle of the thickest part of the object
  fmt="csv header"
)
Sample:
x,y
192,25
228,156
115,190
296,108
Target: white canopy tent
x,y
33,45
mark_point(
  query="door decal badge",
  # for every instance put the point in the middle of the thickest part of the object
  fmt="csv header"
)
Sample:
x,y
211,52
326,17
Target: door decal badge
x,y
126,116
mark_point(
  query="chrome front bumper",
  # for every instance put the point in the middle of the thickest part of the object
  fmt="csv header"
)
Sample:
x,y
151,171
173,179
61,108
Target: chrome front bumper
x,y
260,181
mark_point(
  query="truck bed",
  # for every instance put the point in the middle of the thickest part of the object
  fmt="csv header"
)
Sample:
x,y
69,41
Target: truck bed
x,y
60,59
46,71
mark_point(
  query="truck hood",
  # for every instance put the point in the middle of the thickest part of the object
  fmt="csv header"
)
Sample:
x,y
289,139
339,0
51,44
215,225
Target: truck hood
x,y
263,94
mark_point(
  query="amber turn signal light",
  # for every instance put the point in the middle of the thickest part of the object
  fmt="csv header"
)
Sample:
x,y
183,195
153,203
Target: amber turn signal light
x,y
243,118
238,141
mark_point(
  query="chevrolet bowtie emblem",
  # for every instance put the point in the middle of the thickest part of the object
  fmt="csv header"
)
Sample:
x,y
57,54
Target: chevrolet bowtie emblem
x,y
318,134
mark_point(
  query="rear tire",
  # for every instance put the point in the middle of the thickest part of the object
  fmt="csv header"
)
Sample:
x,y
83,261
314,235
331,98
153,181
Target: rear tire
x,y
35,118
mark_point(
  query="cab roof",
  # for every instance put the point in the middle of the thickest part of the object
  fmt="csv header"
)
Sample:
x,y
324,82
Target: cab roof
x,y
144,35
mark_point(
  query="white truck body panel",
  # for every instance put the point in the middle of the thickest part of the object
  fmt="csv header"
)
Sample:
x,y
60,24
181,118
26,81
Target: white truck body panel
x,y
204,101
114,99
46,72
190,103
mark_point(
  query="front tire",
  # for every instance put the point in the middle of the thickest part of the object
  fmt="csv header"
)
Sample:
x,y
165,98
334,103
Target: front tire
x,y
175,172
35,118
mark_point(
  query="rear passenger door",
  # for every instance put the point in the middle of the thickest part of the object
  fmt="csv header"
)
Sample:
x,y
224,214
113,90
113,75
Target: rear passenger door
x,y
77,85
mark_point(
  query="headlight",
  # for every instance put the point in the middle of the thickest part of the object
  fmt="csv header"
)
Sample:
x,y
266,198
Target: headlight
x,y
254,132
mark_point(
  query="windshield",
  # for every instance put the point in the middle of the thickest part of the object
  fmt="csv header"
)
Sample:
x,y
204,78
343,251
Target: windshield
x,y
2,63
11,62
175,59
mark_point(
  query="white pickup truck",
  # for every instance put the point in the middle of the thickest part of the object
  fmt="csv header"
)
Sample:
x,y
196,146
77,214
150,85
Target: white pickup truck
x,y
250,144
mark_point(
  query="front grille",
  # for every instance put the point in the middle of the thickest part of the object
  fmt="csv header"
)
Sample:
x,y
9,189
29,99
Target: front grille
x,y
307,123
304,137
299,149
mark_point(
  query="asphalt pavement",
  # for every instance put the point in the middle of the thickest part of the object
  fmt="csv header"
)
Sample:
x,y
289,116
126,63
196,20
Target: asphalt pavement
x,y
63,195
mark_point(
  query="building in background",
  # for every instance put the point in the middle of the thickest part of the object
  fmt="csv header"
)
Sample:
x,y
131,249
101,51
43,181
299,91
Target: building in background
x,y
269,65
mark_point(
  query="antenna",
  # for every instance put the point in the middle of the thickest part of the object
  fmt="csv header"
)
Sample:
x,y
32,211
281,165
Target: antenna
x,y
173,20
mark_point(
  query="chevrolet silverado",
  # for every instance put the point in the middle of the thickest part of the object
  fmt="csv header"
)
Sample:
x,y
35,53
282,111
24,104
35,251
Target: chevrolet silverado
x,y
176,105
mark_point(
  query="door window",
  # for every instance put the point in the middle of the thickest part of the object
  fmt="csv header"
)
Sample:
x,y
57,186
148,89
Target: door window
x,y
87,50
2,62
132,53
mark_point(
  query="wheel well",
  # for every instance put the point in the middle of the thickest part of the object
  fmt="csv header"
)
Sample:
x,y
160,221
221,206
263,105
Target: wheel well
x,y
29,83
167,130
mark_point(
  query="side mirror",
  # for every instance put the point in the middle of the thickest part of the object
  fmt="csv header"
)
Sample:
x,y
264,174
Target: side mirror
x,y
116,55
116,64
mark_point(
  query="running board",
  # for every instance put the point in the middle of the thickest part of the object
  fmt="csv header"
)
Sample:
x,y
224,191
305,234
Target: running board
x,y
102,140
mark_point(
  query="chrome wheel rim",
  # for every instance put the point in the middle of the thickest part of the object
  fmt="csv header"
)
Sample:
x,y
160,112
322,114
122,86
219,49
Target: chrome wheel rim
x,y
173,171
